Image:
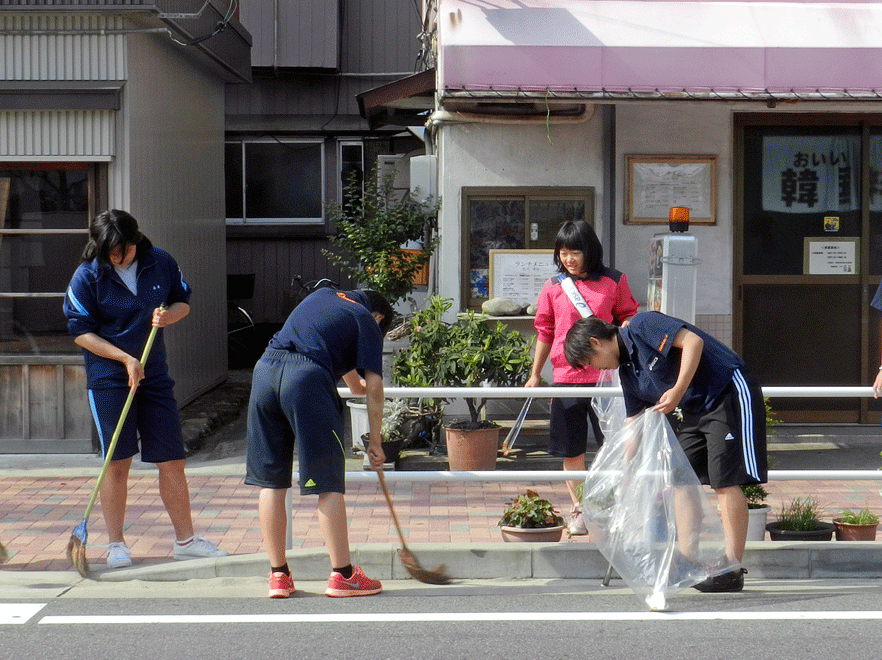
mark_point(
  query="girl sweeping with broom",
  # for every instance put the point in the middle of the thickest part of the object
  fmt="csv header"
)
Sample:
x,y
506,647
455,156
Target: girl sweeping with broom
x,y
123,288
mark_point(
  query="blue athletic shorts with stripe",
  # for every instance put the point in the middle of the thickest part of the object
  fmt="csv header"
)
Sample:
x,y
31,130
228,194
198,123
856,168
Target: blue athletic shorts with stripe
x,y
293,397
726,445
153,417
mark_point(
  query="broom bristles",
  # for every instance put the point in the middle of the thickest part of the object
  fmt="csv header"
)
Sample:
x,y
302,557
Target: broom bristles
x,y
76,554
4,555
436,576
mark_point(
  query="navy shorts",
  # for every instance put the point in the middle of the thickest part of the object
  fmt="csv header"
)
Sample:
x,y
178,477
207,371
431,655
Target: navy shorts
x,y
153,417
572,420
726,445
294,397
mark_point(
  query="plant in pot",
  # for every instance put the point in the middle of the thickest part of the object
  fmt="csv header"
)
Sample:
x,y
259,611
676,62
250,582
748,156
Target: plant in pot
x,y
757,511
402,425
529,517
800,521
856,525
469,352
372,225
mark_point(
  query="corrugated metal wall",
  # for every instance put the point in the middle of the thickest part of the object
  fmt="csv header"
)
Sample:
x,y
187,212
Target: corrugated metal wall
x,y
172,180
370,37
293,33
379,36
84,135
67,57
46,135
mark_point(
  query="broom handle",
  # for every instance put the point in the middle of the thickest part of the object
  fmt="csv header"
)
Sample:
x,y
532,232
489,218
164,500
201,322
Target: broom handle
x,y
119,424
391,508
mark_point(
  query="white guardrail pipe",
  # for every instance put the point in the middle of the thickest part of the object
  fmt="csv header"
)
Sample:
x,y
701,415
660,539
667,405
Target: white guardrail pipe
x,y
532,476
570,392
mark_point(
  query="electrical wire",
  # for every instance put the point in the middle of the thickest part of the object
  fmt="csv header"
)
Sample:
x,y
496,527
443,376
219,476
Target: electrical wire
x,y
220,27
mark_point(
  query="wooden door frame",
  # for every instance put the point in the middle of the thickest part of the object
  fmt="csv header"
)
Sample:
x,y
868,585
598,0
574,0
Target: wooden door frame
x,y
861,121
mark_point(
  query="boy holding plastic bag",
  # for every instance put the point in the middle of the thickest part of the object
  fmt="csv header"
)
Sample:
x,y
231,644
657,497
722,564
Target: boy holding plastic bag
x,y
665,363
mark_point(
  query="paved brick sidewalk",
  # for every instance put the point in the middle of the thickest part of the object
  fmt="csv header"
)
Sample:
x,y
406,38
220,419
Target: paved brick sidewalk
x,y
37,515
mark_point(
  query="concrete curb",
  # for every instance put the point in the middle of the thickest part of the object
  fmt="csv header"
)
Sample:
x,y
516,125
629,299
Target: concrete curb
x,y
763,559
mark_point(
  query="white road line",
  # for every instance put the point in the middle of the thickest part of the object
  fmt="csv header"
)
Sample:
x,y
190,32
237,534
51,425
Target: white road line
x,y
17,613
436,617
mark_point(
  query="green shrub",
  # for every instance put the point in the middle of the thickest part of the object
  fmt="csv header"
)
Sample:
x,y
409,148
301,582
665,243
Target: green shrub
x,y
466,353
862,517
755,495
802,515
371,228
530,511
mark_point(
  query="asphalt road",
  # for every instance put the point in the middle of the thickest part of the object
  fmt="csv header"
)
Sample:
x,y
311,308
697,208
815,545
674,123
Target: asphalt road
x,y
207,619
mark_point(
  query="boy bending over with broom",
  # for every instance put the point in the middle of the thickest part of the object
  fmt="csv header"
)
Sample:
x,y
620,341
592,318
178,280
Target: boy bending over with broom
x,y
329,335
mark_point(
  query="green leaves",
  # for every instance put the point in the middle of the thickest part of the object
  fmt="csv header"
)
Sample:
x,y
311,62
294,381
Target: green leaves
x,y
466,353
530,511
371,228
802,515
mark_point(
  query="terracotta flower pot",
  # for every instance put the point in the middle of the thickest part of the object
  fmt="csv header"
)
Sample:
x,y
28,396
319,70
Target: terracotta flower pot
x,y
532,534
851,532
824,532
472,450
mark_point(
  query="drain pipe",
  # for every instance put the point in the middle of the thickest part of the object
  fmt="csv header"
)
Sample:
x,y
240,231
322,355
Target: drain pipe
x,y
460,117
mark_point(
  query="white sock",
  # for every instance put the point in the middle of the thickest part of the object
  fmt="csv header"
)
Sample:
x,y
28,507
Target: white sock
x,y
186,542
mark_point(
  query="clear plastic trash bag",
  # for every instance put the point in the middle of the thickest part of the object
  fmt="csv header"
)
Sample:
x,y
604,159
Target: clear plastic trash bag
x,y
648,514
610,409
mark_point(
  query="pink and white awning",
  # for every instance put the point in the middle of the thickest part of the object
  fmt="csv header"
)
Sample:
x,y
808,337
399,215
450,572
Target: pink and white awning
x,y
699,48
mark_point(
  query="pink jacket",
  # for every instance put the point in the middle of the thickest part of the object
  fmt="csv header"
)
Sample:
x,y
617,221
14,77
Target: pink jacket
x,y
608,297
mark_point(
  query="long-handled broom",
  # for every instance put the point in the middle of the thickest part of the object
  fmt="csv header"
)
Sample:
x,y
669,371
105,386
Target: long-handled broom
x,y
76,547
435,576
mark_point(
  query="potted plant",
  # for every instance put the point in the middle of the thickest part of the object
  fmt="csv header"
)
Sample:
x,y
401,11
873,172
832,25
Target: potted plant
x,y
401,424
469,352
856,525
757,511
372,227
800,521
529,517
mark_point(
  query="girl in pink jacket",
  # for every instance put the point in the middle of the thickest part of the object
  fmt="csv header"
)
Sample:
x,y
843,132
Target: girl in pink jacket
x,y
578,255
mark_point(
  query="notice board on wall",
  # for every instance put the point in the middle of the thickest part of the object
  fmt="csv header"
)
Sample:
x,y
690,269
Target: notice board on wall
x,y
520,274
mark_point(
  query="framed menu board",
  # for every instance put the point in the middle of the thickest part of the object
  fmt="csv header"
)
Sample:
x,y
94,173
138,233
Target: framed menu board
x,y
519,274
656,183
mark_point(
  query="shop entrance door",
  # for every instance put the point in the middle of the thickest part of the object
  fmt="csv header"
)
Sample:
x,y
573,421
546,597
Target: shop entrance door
x,y
808,257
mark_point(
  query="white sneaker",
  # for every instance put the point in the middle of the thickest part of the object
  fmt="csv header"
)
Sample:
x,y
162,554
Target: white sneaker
x,y
198,546
118,555
577,524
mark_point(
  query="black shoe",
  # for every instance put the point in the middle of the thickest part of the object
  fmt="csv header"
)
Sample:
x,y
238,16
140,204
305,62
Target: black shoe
x,y
725,582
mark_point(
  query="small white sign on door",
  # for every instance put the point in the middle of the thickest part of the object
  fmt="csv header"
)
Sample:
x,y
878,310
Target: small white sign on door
x,y
825,256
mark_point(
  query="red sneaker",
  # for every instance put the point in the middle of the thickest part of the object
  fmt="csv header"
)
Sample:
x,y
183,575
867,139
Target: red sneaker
x,y
280,585
357,585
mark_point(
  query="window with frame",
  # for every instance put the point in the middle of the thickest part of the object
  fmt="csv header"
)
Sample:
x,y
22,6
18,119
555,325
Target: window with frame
x,y
44,219
513,219
350,156
274,181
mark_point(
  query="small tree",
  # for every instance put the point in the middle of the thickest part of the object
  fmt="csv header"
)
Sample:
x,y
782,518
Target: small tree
x,y
466,353
371,228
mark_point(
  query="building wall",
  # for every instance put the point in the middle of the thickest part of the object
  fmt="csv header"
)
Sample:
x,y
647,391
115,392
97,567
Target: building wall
x,y
509,155
565,155
689,129
313,95
170,176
